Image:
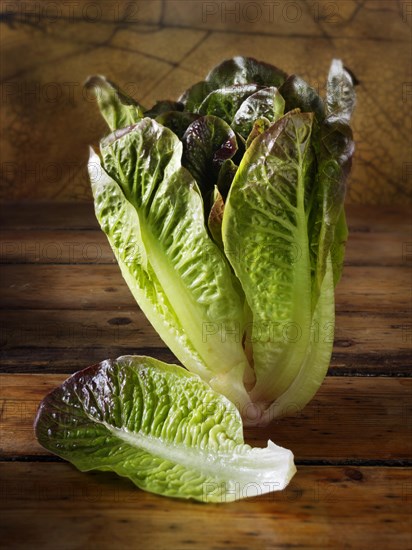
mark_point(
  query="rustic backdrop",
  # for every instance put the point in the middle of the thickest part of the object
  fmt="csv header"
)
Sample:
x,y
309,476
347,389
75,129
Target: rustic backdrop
x,y
155,49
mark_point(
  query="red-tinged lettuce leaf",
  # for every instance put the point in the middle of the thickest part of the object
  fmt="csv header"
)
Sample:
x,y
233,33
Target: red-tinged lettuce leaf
x,y
245,70
231,72
299,95
163,106
177,121
226,174
334,155
340,93
207,143
225,102
194,96
267,103
161,427
334,164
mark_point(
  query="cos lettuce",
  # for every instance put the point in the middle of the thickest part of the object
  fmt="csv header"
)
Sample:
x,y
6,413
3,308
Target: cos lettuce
x,y
225,212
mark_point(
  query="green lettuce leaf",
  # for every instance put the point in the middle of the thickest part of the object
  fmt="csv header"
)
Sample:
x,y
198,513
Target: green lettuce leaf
x,y
161,427
177,121
215,218
118,109
175,264
265,237
225,102
316,361
267,103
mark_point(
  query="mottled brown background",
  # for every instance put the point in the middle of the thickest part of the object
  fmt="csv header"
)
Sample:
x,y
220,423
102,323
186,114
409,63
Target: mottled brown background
x,y
155,49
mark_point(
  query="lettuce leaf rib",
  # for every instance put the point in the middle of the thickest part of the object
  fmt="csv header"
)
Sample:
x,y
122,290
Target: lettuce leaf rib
x,y
161,427
265,237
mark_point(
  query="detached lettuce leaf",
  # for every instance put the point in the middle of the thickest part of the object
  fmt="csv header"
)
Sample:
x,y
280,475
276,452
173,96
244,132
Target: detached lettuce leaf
x,y
172,265
161,427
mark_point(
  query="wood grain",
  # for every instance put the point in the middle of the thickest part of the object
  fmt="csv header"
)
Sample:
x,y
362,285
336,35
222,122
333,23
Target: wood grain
x,y
66,302
339,424
60,215
38,286
60,246
33,340
65,305
323,507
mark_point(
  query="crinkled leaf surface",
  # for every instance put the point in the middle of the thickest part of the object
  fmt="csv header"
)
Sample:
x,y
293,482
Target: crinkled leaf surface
x,y
207,143
118,109
174,250
265,234
266,103
194,96
161,427
245,70
334,152
177,121
340,92
224,102
299,95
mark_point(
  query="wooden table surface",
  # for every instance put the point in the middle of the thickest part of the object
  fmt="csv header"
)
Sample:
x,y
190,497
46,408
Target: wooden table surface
x,y
65,306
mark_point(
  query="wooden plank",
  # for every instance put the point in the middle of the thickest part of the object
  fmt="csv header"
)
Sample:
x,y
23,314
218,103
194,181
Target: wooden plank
x,y
362,288
355,333
60,246
362,218
323,507
48,215
55,246
350,418
65,341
